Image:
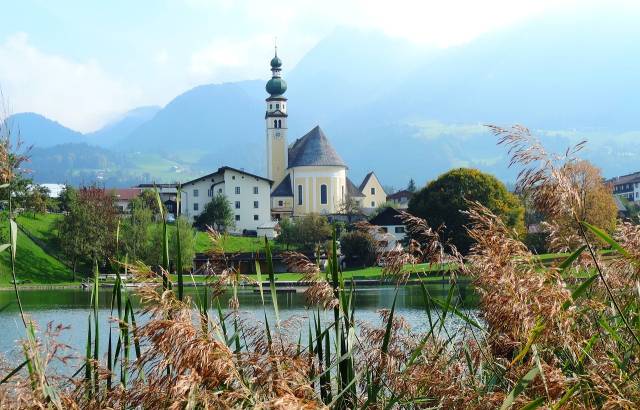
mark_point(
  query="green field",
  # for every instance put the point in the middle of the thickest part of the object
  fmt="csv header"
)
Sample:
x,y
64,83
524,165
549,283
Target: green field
x,y
33,264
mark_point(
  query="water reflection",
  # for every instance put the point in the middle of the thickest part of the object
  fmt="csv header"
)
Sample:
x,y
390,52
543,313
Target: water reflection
x,y
71,307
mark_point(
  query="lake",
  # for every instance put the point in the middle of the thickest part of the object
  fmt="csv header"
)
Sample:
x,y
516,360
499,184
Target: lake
x,y
71,307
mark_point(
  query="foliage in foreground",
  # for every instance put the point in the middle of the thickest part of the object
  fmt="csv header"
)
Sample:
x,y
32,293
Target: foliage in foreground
x,y
542,342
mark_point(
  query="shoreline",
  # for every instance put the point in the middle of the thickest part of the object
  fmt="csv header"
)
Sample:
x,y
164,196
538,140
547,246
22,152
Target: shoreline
x,y
278,284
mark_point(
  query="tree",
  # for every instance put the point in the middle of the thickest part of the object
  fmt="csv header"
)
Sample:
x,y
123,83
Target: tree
x,y
187,244
217,214
592,203
312,230
36,200
411,187
88,231
68,195
135,230
359,248
350,208
306,232
443,203
150,201
288,233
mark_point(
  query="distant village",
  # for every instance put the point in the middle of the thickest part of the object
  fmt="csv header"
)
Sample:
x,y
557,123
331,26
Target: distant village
x,y
307,176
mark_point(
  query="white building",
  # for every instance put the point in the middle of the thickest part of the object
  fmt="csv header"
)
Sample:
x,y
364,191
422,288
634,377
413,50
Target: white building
x,y
391,230
627,186
248,195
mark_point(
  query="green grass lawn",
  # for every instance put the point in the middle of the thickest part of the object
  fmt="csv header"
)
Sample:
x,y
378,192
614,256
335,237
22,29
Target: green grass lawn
x,y
33,264
375,272
235,244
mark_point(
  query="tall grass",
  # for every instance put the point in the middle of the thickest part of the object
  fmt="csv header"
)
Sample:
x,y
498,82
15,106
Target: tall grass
x,y
543,341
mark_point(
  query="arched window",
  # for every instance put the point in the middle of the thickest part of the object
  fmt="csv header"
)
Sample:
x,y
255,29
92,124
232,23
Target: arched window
x,y
275,123
323,194
279,123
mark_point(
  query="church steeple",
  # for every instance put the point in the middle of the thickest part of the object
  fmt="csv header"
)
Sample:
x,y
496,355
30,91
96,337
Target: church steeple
x,y
276,122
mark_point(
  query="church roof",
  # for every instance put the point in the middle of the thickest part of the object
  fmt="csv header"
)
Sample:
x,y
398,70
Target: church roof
x,y
314,149
284,188
352,190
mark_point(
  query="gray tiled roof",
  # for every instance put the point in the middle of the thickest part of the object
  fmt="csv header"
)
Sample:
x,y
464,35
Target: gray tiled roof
x,y
314,149
284,188
625,179
352,190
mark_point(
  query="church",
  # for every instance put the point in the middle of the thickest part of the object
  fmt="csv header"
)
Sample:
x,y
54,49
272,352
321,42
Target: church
x,y
309,175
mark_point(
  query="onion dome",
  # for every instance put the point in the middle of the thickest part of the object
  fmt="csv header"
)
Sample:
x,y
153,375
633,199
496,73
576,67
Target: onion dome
x,y
276,86
276,62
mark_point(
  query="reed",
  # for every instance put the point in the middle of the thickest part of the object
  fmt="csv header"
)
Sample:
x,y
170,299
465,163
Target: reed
x,y
540,340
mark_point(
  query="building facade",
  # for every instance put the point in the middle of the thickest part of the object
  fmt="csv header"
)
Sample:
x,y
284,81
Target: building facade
x,y
627,186
374,194
400,199
248,195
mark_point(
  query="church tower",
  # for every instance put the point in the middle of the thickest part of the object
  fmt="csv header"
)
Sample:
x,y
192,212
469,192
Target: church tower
x,y
276,122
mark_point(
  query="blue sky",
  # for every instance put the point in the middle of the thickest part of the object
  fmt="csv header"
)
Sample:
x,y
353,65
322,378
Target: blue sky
x,y
84,62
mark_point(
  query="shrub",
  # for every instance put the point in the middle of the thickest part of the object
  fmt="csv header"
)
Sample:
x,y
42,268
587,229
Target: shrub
x,y
359,248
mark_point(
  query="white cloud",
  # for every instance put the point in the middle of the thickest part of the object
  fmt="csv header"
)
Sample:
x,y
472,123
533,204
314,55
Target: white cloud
x,y
80,95
226,59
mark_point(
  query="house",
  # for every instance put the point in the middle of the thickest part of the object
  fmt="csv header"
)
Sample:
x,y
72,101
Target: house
x,y
626,186
391,229
373,193
400,199
124,196
248,194
309,175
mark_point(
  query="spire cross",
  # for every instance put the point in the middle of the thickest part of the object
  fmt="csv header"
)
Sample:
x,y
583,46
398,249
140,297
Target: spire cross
x,y
275,44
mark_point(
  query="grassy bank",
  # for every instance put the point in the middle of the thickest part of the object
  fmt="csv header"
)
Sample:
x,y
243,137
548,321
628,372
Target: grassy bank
x,y
33,264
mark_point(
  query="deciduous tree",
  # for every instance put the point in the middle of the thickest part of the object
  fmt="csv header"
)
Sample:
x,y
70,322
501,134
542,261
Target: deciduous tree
x,y
217,214
443,203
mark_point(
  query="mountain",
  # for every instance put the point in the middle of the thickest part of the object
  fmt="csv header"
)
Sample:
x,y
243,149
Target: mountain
x,y
80,163
407,111
36,130
208,125
118,129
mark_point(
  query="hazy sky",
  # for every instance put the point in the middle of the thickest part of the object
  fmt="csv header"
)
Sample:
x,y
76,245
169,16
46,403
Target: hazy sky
x,y
84,62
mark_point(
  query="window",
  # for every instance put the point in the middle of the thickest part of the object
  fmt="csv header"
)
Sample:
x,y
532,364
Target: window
x,y
323,194
384,230
237,190
279,123
256,217
195,206
219,190
280,203
210,192
233,177
399,229
275,123
373,190
255,204
195,193
237,217
277,106
255,190
271,106
299,194
237,204
373,204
